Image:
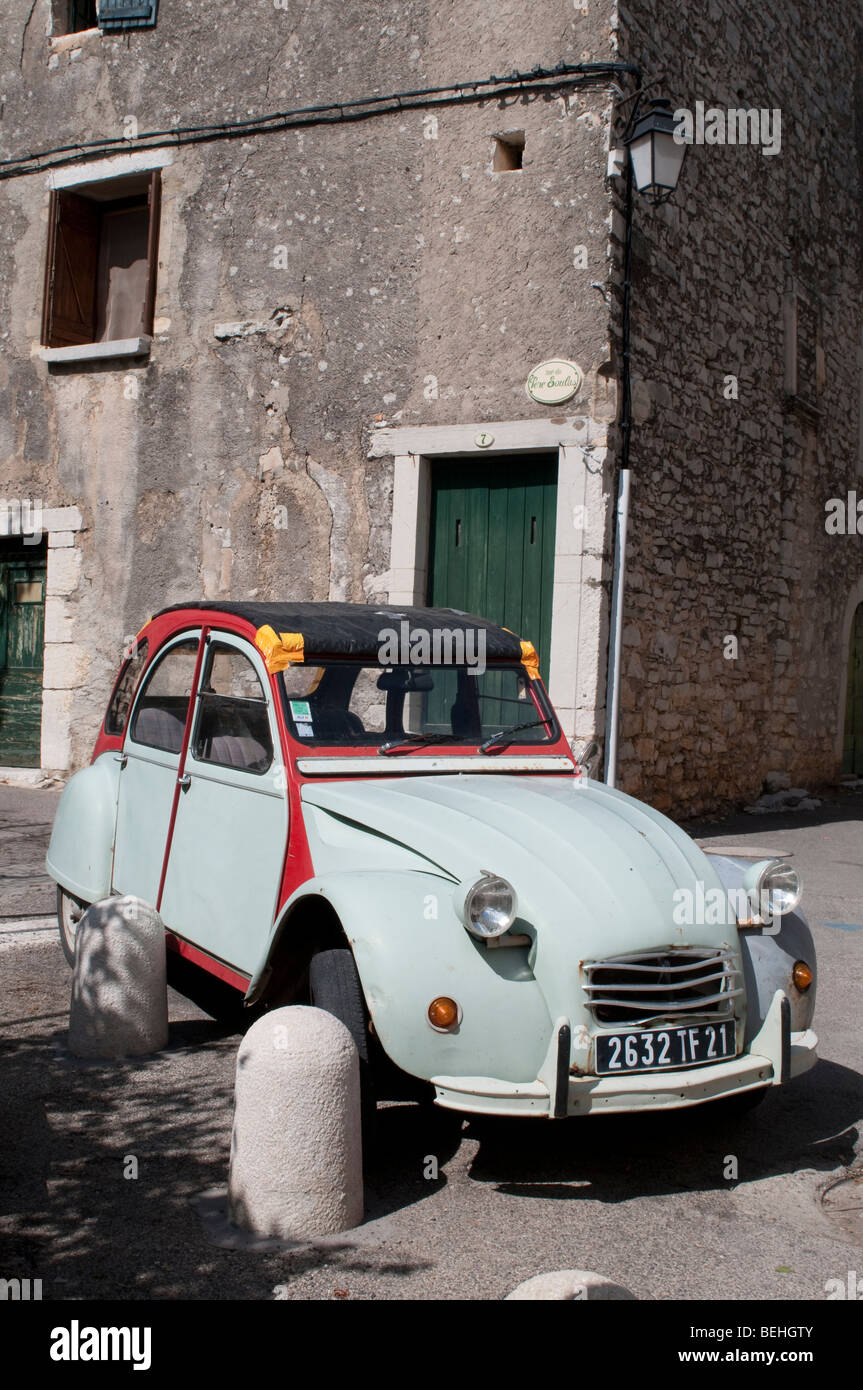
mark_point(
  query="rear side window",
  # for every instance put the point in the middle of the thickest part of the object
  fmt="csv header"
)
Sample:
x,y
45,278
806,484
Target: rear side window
x,y
124,690
160,714
233,729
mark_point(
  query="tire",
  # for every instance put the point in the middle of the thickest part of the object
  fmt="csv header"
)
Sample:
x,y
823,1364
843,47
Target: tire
x,y
69,913
334,986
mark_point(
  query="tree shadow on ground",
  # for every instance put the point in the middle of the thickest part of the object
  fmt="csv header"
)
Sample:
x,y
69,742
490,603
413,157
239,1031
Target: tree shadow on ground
x,y
101,1159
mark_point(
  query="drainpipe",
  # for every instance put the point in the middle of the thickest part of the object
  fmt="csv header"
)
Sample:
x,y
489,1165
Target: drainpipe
x,y
618,578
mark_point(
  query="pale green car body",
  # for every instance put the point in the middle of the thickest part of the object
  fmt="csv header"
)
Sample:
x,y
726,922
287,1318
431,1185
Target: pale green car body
x,y
598,875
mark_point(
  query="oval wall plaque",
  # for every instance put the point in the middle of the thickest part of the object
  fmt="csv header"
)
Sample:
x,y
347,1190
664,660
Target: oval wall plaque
x,y
553,382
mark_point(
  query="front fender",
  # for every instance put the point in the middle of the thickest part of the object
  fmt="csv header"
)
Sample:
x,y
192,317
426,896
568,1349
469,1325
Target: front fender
x,y
767,965
81,851
768,959
410,946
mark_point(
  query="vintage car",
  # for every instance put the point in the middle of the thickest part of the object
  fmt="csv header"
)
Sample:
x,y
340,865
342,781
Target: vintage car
x,y
375,810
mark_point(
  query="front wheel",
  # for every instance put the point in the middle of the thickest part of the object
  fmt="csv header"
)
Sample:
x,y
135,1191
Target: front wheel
x,y
70,910
334,986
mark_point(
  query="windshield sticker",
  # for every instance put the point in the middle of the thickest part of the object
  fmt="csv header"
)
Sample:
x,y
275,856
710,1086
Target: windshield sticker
x,y
304,729
301,709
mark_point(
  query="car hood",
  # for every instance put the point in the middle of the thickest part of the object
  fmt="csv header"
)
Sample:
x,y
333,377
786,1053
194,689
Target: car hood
x,y
582,856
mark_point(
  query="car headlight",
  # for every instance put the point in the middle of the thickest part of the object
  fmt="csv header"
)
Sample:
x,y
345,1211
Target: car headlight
x,y
774,888
488,907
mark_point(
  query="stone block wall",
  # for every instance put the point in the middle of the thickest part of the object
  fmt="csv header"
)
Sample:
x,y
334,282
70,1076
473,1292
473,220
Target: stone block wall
x,y
752,272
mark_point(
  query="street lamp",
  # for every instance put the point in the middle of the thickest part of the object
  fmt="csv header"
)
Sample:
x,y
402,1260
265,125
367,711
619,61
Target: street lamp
x,y
655,155
653,167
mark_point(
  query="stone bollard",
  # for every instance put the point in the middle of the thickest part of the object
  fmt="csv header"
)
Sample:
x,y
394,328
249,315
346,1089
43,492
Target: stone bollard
x,y
575,1284
296,1153
119,1002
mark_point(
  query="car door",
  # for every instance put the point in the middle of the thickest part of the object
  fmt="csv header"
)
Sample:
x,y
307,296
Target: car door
x,y
150,766
228,846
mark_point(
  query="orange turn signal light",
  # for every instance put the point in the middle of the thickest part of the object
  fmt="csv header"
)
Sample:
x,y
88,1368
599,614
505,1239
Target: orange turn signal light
x,y
443,1012
802,975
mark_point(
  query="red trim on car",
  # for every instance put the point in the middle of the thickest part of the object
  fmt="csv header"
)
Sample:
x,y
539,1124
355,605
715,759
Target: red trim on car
x,y
209,963
187,734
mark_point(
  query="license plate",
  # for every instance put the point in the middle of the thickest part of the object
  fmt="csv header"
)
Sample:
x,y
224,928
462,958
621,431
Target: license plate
x,y
665,1049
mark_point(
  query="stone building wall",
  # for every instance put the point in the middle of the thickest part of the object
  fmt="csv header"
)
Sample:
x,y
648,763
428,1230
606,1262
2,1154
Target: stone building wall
x,y
323,293
727,533
313,286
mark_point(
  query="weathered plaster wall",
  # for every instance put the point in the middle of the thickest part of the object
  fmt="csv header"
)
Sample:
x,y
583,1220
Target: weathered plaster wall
x,y
418,287
728,509
239,464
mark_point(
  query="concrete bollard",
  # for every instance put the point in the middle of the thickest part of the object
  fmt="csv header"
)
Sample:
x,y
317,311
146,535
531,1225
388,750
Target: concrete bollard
x,y
296,1152
575,1284
119,1002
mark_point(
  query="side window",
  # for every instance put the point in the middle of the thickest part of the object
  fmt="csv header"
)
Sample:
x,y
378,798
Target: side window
x,y
232,729
160,714
124,691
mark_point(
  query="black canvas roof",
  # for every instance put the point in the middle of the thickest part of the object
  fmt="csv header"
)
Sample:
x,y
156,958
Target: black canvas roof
x,y
354,629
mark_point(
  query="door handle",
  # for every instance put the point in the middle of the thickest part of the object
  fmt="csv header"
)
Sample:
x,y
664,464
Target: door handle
x,y
185,781
122,759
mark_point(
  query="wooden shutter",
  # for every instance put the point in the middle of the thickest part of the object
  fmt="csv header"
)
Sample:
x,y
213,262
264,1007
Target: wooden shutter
x,y
154,202
70,281
126,14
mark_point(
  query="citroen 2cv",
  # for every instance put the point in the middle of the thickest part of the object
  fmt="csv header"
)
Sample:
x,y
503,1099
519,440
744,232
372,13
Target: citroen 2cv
x,y
375,810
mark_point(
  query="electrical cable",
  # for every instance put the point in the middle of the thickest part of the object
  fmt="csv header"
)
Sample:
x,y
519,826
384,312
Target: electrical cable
x,y
361,108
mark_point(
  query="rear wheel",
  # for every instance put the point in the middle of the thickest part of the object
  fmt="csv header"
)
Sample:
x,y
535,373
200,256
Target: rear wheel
x,y
70,910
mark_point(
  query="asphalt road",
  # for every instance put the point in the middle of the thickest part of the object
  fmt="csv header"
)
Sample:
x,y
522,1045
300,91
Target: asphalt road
x,y
25,827
643,1200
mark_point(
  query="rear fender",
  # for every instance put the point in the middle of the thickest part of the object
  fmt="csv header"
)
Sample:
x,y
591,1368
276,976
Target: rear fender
x,y
81,851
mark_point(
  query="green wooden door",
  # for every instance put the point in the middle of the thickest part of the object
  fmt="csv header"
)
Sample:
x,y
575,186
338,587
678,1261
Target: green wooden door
x,y
22,629
853,753
492,542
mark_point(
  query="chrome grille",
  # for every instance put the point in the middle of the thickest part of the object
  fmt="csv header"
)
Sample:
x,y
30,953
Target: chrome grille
x,y
652,985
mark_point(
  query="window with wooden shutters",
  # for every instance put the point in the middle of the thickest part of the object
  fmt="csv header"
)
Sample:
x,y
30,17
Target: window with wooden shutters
x,y
100,280
126,14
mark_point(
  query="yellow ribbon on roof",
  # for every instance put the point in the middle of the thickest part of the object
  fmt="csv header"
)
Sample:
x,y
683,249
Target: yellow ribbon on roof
x,y
530,660
279,649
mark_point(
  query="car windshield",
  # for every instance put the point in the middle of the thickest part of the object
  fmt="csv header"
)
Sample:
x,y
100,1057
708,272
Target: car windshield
x,y
348,703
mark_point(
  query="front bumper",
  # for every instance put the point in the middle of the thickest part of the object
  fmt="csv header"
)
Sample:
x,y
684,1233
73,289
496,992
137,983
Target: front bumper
x,y
774,1056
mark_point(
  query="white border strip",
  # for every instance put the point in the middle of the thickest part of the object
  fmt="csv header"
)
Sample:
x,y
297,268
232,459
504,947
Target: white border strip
x,y
508,436
115,167
409,762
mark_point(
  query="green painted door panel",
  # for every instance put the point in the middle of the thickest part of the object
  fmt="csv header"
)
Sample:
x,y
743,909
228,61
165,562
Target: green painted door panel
x,y
22,632
492,552
492,542
852,760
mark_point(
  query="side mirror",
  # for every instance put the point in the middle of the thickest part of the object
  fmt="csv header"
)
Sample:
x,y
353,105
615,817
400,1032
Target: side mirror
x,y
589,752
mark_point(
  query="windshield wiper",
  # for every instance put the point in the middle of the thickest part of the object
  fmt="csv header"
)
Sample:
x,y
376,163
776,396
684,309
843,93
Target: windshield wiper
x,y
506,734
416,739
